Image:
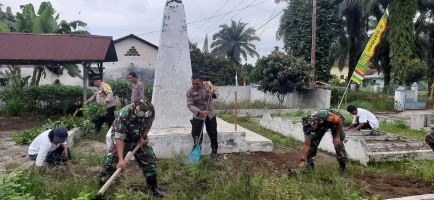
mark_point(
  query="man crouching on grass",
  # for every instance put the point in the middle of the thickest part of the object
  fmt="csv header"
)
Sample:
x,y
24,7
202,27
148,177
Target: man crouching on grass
x,y
50,147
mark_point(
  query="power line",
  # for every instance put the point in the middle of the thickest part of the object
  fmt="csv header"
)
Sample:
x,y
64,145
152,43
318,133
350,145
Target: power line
x,y
210,18
218,20
271,18
197,37
267,24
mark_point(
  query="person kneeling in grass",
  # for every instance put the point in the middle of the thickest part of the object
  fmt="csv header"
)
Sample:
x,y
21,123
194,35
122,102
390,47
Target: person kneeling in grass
x,y
50,147
363,119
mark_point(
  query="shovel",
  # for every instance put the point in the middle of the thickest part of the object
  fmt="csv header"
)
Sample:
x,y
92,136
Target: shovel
x,y
100,194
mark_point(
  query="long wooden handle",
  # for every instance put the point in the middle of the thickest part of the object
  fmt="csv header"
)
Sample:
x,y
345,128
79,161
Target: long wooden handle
x,y
112,178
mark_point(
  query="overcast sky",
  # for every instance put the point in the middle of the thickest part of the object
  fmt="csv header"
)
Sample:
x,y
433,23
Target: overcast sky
x,y
118,18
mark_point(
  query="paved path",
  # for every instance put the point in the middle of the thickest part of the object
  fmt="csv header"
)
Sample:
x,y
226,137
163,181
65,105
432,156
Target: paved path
x,y
419,197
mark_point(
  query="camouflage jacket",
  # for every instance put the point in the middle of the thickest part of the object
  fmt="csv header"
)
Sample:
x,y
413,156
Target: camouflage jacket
x,y
197,100
328,119
128,126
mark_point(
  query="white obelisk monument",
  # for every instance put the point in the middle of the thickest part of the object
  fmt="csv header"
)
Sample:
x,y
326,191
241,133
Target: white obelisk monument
x,y
173,70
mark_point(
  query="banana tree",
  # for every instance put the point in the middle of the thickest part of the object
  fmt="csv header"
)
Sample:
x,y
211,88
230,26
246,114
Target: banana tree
x,y
7,20
45,21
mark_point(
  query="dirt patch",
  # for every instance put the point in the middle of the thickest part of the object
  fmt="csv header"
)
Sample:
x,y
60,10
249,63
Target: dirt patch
x,y
278,161
392,186
19,124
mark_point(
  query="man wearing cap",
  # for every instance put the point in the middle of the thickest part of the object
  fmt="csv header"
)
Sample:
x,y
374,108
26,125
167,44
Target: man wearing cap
x,y
103,96
50,147
199,101
363,119
129,129
314,128
138,88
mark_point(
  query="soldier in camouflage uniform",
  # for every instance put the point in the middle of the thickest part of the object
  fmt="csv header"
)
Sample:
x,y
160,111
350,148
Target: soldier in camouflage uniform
x,y
129,128
314,128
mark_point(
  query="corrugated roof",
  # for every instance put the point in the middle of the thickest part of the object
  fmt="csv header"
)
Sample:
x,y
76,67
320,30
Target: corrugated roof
x,y
23,48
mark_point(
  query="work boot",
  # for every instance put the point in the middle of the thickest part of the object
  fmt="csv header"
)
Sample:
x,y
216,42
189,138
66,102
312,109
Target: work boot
x,y
214,155
309,168
152,186
343,168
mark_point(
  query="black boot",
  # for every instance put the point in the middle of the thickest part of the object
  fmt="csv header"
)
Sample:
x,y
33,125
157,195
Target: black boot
x,y
343,167
214,154
152,186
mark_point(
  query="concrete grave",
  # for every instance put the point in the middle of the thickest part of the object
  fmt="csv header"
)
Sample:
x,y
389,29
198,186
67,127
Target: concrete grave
x,y
362,146
169,143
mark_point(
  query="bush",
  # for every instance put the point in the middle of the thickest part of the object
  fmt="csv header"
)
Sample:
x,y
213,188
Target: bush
x,y
93,111
15,186
26,137
13,95
14,107
122,91
54,99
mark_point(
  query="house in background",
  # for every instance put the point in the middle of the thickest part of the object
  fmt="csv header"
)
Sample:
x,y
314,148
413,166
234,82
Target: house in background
x,y
134,54
342,75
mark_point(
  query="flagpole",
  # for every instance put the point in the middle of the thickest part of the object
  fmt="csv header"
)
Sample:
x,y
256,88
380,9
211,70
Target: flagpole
x,y
343,96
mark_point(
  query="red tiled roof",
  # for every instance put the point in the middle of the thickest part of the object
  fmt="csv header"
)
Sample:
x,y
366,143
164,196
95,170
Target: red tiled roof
x,y
23,48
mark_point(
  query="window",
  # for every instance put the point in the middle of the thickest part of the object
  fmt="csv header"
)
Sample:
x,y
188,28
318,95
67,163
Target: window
x,y
342,77
132,52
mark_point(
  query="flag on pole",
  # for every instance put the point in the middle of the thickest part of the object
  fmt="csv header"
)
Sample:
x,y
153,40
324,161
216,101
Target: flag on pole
x,y
369,51
236,78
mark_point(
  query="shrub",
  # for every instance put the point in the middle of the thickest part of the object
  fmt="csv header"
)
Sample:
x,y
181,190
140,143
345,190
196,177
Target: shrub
x,y
54,99
26,137
15,186
93,111
13,95
122,91
14,107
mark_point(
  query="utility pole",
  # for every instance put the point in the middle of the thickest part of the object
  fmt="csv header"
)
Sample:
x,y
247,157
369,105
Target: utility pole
x,y
312,53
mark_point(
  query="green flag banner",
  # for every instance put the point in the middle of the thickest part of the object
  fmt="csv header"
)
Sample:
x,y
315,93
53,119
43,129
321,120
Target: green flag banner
x,y
369,51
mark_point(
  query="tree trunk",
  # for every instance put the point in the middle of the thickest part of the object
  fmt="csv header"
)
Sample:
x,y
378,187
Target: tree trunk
x,y
33,80
36,77
352,57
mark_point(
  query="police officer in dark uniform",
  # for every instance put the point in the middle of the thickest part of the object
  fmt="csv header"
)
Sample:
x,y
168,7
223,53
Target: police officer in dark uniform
x,y
199,101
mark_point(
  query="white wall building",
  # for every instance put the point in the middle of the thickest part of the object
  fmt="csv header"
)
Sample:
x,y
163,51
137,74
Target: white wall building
x,y
134,54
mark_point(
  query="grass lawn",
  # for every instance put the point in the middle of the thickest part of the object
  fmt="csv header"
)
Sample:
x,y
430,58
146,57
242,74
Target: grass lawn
x,y
238,177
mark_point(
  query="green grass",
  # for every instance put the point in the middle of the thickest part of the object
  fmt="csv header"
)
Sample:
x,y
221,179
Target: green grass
x,y
247,105
297,116
401,128
278,139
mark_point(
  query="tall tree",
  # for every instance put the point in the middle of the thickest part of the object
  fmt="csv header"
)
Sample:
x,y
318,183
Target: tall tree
x,y
296,31
205,45
402,38
46,22
235,41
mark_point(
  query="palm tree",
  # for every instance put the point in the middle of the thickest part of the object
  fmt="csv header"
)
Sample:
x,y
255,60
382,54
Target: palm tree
x,y
235,41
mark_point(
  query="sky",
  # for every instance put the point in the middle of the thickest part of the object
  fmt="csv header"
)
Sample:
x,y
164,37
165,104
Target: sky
x,y
118,18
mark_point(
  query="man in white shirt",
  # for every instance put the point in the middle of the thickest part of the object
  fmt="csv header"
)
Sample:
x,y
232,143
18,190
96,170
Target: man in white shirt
x,y
363,119
50,147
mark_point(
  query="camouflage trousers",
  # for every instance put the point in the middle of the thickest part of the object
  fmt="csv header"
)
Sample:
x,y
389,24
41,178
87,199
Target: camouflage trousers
x,y
341,154
144,157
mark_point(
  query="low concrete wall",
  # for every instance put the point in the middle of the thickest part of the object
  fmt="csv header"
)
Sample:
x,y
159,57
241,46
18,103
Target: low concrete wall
x,y
73,134
308,99
261,112
356,148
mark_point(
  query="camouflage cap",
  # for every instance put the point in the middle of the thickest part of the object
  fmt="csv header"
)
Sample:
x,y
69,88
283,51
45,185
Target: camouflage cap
x,y
307,121
143,107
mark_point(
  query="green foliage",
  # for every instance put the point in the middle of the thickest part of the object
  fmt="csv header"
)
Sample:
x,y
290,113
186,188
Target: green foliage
x,y
122,91
401,32
7,20
247,105
417,70
366,100
15,186
217,69
94,110
296,31
26,137
235,41
281,74
58,99
13,95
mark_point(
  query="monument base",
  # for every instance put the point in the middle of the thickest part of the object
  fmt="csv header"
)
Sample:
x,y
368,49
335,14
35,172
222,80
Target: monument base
x,y
169,143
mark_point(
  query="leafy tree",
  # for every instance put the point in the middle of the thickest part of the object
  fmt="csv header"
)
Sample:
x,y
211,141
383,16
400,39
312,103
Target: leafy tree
x,y
7,20
296,31
416,72
218,69
43,21
280,74
235,41
402,38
